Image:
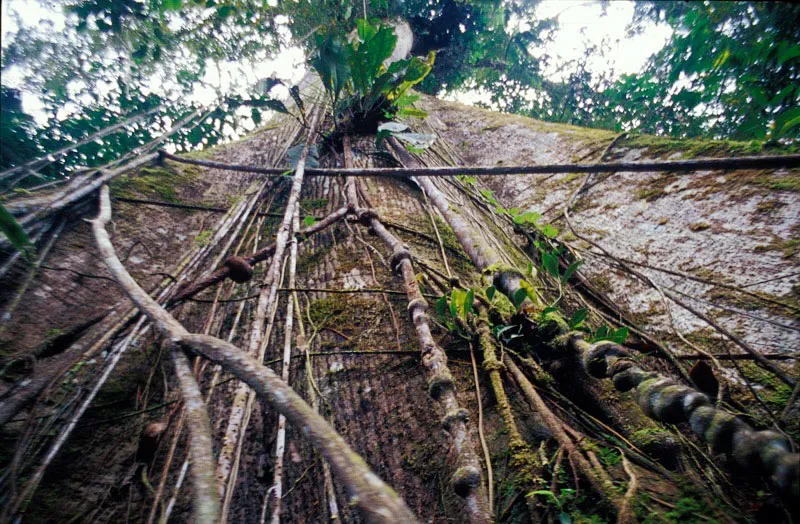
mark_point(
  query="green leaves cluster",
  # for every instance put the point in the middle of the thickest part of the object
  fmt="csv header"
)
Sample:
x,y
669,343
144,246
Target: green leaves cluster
x,y
119,58
527,219
730,70
560,501
550,265
455,308
355,74
604,332
531,219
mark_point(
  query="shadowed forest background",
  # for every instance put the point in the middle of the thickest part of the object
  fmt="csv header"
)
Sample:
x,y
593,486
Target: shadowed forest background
x,y
565,346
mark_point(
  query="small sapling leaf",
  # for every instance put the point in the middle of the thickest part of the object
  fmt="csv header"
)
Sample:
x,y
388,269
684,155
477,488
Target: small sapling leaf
x,y
13,230
578,317
550,263
601,333
620,335
519,297
440,306
468,300
571,270
549,231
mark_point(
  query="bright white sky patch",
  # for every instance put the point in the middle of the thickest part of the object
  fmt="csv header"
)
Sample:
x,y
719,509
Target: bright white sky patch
x,y
28,13
580,24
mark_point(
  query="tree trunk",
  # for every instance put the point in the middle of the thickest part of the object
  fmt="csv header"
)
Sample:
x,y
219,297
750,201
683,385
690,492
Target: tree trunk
x,y
359,360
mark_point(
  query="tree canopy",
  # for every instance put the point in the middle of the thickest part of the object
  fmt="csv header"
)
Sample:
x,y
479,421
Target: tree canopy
x,y
730,69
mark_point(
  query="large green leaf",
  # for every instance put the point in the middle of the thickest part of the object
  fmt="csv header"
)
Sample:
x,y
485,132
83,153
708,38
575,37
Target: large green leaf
x,y
367,57
620,335
417,70
365,29
456,302
550,264
790,53
414,112
332,63
468,302
786,121
387,81
571,270
790,125
440,306
578,317
519,297
13,231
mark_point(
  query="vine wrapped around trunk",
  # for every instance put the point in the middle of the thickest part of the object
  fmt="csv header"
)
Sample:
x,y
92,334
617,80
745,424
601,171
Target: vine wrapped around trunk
x,y
664,399
467,480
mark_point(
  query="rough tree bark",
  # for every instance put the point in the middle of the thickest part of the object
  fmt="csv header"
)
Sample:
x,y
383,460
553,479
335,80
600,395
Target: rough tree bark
x,y
359,361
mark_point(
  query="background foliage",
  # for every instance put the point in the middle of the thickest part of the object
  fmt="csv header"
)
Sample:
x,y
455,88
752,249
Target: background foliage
x,y
730,69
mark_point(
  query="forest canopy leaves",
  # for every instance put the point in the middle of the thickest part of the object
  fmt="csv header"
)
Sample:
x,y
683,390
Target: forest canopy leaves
x,y
730,69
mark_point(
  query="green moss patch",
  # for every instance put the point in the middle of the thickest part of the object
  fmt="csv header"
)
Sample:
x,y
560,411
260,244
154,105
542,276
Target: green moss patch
x,y
660,147
788,248
159,182
203,238
768,179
